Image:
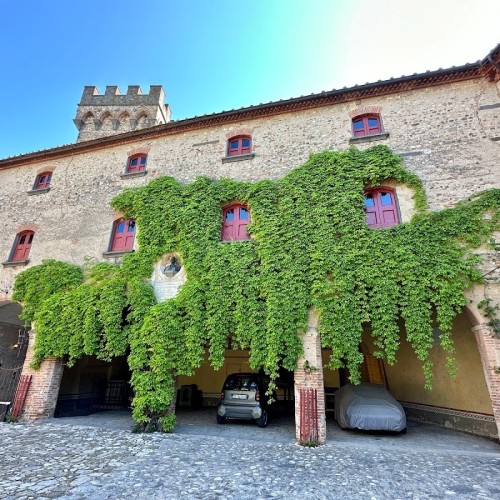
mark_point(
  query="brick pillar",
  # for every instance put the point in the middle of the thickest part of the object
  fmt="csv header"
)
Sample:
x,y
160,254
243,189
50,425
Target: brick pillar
x,y
309,374
489,350
42,395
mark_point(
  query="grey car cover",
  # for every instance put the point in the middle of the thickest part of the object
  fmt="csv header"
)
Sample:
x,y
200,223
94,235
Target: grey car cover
x,y
368,407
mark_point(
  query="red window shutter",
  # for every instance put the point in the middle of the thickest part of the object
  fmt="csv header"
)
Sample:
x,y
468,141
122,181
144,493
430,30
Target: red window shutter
x,y
366,125
136,164
43,180
234,224
123,235
381,208
22,246
239,146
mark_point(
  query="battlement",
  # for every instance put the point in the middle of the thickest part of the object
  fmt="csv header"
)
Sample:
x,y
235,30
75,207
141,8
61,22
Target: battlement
x,y
100,115
113,96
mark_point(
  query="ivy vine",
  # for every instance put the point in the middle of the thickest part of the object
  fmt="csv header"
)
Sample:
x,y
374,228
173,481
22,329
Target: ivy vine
x,y
310,248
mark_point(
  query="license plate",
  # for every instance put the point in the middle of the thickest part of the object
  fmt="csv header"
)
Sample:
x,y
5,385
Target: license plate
x,y
239,396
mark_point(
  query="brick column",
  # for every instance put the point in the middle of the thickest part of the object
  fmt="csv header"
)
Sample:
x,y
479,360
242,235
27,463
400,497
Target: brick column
x,y
489,350
309,374
42,395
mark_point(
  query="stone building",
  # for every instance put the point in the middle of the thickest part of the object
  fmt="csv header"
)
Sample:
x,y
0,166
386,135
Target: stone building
x,y
55,204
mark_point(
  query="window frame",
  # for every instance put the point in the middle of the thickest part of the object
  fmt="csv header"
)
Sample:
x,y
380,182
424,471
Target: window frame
x,y
240,150
126,246
379,210
367,130
18,245
237,223
141,166
39,185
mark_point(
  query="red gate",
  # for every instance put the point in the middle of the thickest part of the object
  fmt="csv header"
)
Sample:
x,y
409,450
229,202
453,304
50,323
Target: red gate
x,y
21,393
308,416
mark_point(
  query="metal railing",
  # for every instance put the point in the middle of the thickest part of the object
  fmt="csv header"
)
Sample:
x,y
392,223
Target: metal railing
x,y
309,416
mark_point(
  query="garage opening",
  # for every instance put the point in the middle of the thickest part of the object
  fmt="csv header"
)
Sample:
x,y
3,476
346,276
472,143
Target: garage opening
x,y
13,347
199,395
92,385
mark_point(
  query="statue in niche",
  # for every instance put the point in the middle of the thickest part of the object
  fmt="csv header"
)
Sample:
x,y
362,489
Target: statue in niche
x,y
172,268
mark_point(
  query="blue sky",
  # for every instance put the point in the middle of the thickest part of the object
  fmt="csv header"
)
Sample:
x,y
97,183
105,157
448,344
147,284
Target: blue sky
x,y
214,55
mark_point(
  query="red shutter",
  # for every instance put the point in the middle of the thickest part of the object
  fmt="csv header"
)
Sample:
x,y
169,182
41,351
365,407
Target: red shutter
x,y
23,246
234,224
123,235
136,164
239,146
43,180
366,125
381,208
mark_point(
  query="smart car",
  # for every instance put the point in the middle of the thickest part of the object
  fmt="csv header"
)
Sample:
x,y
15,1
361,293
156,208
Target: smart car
x,y
243,397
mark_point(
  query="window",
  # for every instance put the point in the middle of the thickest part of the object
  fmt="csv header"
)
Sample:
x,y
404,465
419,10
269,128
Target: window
x,y
366,125
239,145
235,220
123,235
381,208
22,246
136,164
42,180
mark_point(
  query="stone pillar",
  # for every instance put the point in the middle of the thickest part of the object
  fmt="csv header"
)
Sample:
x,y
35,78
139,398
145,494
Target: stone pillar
x,y
45,382
309,374
489,350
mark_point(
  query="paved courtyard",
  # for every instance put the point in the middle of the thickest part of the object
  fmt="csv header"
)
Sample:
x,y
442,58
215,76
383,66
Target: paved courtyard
x,y
97,457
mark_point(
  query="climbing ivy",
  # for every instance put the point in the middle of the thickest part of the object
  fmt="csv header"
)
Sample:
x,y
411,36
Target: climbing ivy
x,y
310,248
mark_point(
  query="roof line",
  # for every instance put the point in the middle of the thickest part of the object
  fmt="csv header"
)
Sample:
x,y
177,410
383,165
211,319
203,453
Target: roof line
x,y
400,84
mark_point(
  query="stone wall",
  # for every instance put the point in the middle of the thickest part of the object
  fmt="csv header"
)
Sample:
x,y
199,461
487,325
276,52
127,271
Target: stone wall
x,y
442,134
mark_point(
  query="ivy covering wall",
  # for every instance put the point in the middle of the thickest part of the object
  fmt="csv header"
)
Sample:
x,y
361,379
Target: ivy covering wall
x,y
310,247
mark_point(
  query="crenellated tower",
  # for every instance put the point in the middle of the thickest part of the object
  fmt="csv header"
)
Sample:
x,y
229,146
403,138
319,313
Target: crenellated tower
x,y
111,113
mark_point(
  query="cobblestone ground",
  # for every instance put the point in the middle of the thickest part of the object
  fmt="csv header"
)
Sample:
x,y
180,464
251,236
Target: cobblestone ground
x,y
61,459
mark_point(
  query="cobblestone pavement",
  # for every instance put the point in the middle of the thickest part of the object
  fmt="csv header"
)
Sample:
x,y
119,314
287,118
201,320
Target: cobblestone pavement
x,y
98,457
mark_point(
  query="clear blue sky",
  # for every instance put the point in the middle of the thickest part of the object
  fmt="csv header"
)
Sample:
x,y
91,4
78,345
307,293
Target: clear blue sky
x,y
214,55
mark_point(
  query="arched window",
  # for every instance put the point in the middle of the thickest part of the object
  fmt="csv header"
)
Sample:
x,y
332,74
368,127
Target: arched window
x,y
22,246
42,180
381,208
235,219
366,125
240,145
123,236
136,163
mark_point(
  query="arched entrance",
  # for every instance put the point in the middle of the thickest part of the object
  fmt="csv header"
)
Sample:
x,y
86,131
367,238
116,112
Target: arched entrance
x,y
13,346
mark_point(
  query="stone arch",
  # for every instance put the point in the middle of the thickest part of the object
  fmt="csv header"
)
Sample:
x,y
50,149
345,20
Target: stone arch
x,y
142,120
124,121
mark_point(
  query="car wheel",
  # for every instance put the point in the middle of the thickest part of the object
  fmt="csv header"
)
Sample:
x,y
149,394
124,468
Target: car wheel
x,y
221,420
262,420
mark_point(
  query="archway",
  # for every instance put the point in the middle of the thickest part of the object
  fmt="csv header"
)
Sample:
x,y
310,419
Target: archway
x,y
13,346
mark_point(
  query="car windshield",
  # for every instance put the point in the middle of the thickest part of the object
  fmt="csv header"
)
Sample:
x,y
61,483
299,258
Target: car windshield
x,y
240,383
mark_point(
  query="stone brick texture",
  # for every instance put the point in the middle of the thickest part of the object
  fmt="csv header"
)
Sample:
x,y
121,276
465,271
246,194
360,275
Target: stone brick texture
x,y
42,395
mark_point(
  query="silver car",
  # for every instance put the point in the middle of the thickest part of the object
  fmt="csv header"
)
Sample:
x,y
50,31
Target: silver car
x,y
243,397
